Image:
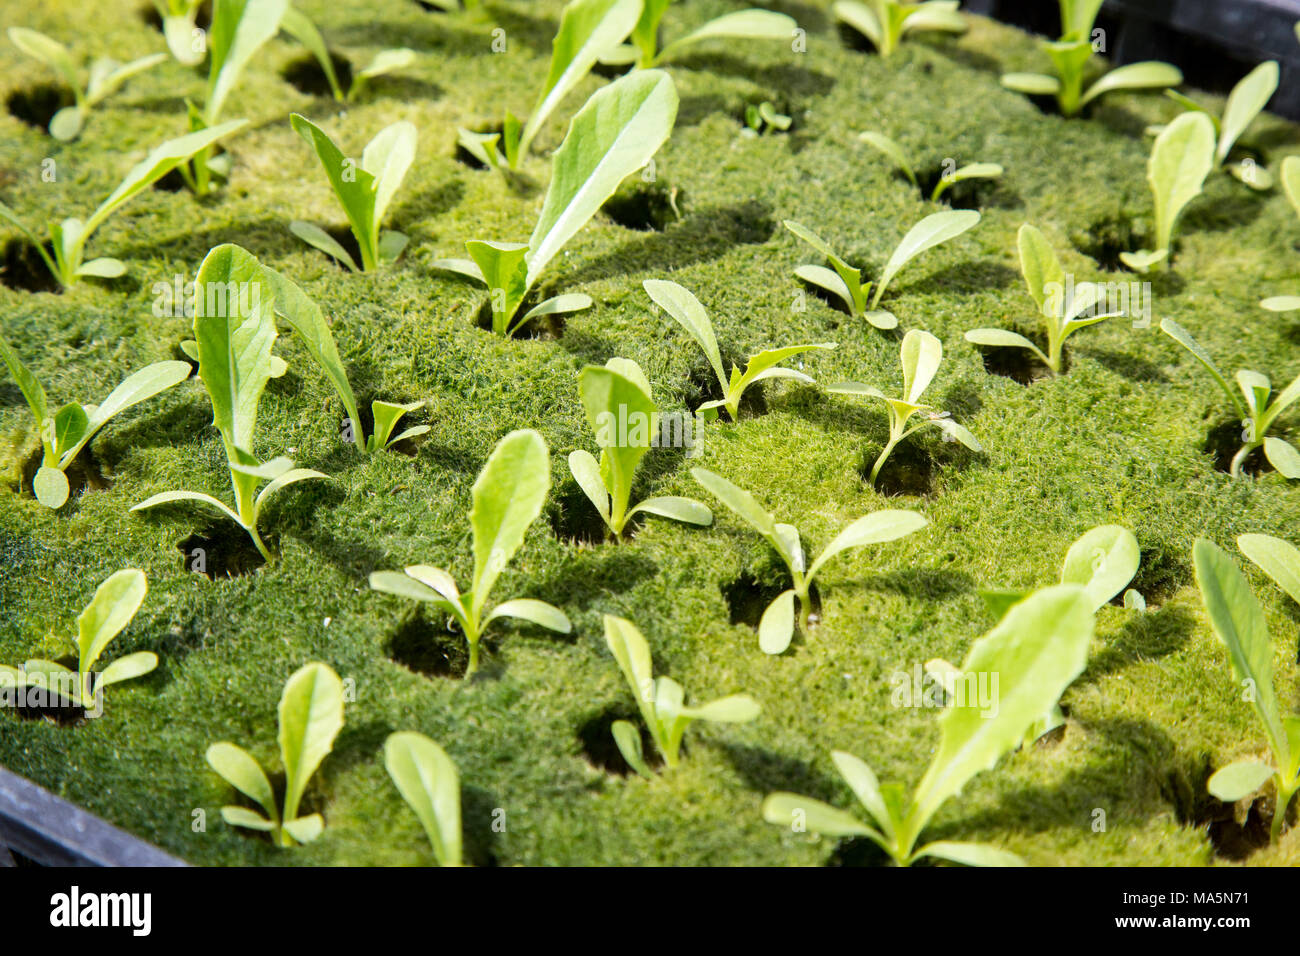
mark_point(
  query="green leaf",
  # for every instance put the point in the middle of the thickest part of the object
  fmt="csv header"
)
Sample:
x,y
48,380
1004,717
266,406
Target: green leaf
x,y
690,315
733,709
776,627
394,582
1283,456
588,28
615,133
1238,621
115,603
289,477
586,472
891,149
1042,271
244,817
1279,559
1181,158
389,61
239,28
763,365
970,854
387,158
428,781
50,52
1037,650
861,18
318,238
1239,780
743,24
168,497
862,780
386,416
632,653
1246,101
108,76
853,293
628,740
559,305
739,500
1184,338
535,612
50,485
1144,260
503,268
921,353
66,124
1000,600
305,829
311,715
1290,176
624,418
875,528
135,388
70,425
104,267
299,26
1147,75
792,810
1134,601
1032,84
970,171
1281,303
241,770
27,383
508,496
1103,562
926,234
128,668
678,509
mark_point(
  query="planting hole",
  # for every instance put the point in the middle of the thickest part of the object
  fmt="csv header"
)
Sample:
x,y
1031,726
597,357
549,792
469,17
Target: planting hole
x,y
967,194
646,207
702,386
546,327
149,14
220,551
574,519
1224,441
37,703
83,474
37,106
428,649
1236,841
598,745
1021,365
1107,238
306,76
908,471
25,271
747,598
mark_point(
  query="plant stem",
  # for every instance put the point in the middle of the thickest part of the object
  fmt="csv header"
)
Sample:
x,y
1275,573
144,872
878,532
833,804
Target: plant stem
x,y
880,462
1239,459
1279,813
805,609
473,659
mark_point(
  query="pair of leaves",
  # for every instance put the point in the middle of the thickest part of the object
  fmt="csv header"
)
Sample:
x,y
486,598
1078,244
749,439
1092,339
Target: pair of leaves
x,y
885,22
364,189
311,715
1036,651
661,701
845,282
428,781
508,495
625,420
1102,562
891,149
1182,156
740,25
65,432
107,76
1070,59
920,355
1065,307
1246,101
691,316
615,134
298,25
776,628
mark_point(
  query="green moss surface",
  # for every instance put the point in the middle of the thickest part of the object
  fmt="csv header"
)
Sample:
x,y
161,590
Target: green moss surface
x,y
1120,438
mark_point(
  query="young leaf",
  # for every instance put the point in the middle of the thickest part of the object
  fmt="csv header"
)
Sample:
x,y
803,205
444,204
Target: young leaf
x,y
311,715
241,770
115,603
926,234
891,149
742,25
1246,101
428,781
690,315
1103,561
239,28
1277,558
508,496
1181,158
1239,780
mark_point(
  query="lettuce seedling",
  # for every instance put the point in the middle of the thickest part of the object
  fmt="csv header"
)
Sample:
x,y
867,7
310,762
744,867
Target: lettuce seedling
x,y
588,28
921,355
615,133
107,76
763,117
235,333
1183,155
846,281
298,25
364,190
239,29
890,148
1238,621
741,25
67,430
1290,176
1036,651
179,29
1065,307
311,715
67,239
690,315
776,627
1070,56
661,701
427,780
1246,101
508,496
114,605
1256,413
626,422
886,22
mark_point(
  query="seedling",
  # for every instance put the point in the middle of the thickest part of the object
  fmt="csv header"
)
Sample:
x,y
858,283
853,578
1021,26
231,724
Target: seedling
x,y
1070,55
239,29
661,701
921,355
741,25
1246,101
67,239
234,339
1065,307
615,134
364,191
67,430
1290,176
1036,651
185,41
626,422
1181,158
952,174
107,76
846,281
690,315
886,22
114,605
1257,415
298,25
311,715
508,496
764,118
1277,558
776,627
427,780
588,28
1238,621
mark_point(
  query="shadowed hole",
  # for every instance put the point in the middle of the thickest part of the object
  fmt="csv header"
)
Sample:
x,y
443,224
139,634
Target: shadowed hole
x,y
25,271
424,648
546,327
1021,365
37,703
858,851
306,76
702,386
222,550
747,598
203,19
1158,577
1106,238
574,519
908,471
646,207
36,106
598,746
1224,441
